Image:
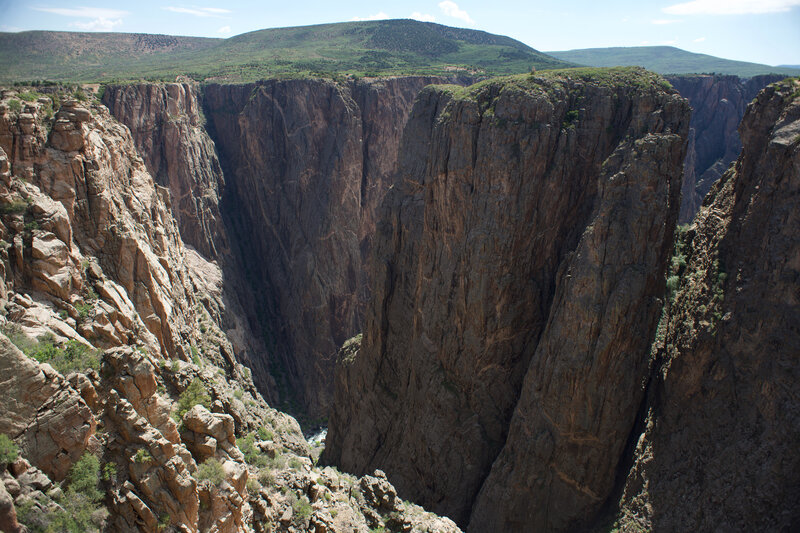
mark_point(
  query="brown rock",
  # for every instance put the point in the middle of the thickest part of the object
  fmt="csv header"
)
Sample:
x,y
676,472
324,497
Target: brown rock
x,y
518,262
719,446
48,419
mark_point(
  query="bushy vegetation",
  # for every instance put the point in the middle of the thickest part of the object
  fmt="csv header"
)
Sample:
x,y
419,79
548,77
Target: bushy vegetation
x,y
211,470
195,394
71,356
8,450
80,509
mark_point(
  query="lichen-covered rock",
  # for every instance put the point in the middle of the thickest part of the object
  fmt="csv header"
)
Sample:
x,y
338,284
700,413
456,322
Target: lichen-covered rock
x,y
518,270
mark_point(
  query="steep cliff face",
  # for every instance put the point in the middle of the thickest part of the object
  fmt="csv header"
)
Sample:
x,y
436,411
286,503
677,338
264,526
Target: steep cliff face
x,y
718,104
307,162
518,268
166,125
123,400
719,450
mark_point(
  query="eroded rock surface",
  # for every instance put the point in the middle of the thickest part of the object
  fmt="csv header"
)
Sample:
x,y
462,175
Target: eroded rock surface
x,y
718,105
306,163
718,450
517,276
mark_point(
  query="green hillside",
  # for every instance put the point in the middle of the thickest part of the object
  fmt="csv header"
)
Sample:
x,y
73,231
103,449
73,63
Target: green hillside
x,y
388,47
668,60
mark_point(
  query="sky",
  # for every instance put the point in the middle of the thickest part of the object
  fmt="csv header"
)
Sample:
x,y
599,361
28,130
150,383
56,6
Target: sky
x,y
761,31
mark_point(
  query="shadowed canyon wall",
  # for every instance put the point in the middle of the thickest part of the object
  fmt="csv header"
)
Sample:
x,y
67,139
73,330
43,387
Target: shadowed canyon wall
x,y
720,440
718,104
517,277
306,164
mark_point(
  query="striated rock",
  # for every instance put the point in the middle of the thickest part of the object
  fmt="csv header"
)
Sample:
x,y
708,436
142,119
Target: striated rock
x,y
47,418
718,104
306,164
718,449
166,124
160,472
518,268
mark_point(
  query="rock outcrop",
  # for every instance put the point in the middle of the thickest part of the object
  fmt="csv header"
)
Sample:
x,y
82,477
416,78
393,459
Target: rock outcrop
x,y
48,418
167,126
718,104
517,281
718,450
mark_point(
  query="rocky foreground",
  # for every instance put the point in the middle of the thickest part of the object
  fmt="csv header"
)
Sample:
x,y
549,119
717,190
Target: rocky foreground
x,y
122,406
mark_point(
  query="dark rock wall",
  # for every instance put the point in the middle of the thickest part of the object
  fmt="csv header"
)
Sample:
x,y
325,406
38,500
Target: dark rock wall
x,y
719,451
518,268
307,163
718,104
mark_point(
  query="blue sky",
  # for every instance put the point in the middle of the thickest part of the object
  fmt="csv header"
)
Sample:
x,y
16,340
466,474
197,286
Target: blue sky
x,y
763,31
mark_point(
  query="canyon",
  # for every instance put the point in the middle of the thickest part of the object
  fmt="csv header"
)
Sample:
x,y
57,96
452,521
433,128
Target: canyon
x,y
470,281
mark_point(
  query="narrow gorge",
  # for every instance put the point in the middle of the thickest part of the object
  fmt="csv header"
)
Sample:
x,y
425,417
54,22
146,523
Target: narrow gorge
x,y
510,302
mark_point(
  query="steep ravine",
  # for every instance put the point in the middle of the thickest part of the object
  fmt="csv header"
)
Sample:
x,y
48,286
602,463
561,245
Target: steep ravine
x,y
122,407
306,164
720,440
718,104
517,276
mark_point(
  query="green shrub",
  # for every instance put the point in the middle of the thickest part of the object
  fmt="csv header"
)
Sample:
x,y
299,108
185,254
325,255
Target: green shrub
x,y
84,476
81,510
14,207
251,454
143,456
211,470
302,507
8,450
195,394
15,105
71,357
110,472
265,434
294,463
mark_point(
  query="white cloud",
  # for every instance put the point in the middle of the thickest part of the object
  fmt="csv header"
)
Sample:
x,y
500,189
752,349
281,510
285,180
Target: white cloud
x,y
377,16
224,29
102,19
664,21
731,7
423,17
451,9
85,12
198,11
699,40
98,24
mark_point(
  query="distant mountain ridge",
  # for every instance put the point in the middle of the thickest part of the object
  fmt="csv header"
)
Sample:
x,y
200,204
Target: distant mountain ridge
x,y
386,47
668,60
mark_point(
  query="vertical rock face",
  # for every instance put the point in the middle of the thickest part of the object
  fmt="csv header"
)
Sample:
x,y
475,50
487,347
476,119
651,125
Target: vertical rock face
x,y
720,446
307,162
718,104
166,125
518,268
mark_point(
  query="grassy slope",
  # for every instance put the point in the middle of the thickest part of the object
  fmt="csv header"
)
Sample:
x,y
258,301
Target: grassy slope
x,y
359,48
667,60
